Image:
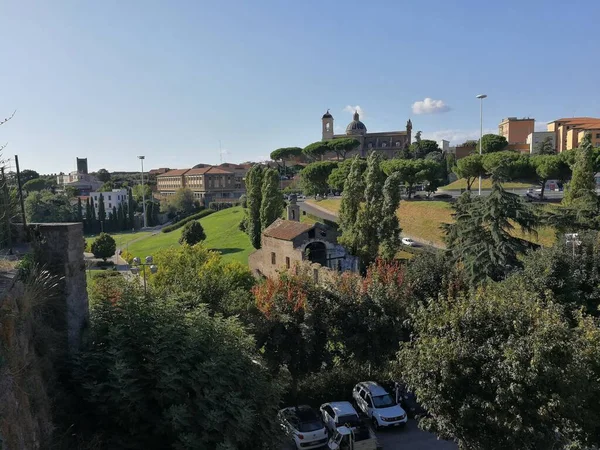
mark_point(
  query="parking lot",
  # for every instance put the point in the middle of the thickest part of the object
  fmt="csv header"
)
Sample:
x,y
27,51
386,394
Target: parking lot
x,y
408,438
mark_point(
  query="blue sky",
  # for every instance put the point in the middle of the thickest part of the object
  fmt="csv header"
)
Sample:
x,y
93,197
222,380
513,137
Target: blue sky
x,y
111,80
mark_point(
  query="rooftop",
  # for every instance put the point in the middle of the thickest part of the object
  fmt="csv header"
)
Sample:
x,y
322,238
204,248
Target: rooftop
x,y
586,123
286,229
172,173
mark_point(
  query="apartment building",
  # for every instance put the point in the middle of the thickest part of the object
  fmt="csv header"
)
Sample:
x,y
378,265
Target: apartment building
x,y
224,183
516,130
569,132
111,198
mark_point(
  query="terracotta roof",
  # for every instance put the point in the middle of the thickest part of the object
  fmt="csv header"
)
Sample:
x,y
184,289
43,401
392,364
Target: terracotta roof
x,y
286,229
172,173
589,123
219,170
198,171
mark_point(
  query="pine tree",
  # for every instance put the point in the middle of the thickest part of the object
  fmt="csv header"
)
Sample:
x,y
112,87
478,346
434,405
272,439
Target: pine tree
x,y
272,199
254,179
130,210
369,217
354,187
480,237
88,215
389,232
101,208
79,216
93,210
581,192
115,219
121,217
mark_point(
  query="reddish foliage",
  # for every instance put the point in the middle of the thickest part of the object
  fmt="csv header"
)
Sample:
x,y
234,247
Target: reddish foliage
x,y
388,273
281,295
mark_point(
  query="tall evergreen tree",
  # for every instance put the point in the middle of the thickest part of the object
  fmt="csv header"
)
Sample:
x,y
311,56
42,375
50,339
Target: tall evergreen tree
x,y
92,209
354,188
581,192
88,215
480,238
369,217
272,198
254,179
79,214
115,219
389,232
101,208
130,210
121,217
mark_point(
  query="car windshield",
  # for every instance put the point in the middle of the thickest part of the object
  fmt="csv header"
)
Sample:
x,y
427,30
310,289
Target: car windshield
x,y
350,419
313,425
383,401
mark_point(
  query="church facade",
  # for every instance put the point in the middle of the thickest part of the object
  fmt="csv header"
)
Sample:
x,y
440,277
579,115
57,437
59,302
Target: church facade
x,y
388,143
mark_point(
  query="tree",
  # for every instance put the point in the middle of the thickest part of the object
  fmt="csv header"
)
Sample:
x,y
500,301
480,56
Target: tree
x,y
88,215
139,192
343,146
108,186
92,209
545,147
79,211
470,168
390,226
131,210
316,150
205,385
192,233
103,175
499,368
182,201
507,165
104,246
548,167
431,174
491,143
350,205
581,191
101,208
285,154
480,238
338,176
315,175
35,185
369,217
114,219
272,199
46,207
412,171
423,147
70,191
27,175
121,218
254,179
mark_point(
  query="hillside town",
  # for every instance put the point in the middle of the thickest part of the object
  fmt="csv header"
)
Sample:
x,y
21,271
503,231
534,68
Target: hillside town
x,y
240,259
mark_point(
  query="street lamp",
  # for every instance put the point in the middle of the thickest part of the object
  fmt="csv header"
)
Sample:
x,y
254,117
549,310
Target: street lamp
x,y
480,97
137,263
572,238
141,158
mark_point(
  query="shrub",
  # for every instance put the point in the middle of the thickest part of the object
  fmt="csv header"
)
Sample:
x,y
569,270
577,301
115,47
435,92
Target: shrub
x,y
188,219
104,246
104,264
192,233
243,201
127,256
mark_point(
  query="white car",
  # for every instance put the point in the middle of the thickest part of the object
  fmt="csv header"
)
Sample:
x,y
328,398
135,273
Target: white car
x,y
304,426
378,405
408,241
337,414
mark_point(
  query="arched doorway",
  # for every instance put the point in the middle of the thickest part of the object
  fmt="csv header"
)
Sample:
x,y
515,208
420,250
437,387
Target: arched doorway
x,y
316,252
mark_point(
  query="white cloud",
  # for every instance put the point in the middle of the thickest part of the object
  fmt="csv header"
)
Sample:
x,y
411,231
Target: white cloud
x,y
541,125
430,106
357,108
456,136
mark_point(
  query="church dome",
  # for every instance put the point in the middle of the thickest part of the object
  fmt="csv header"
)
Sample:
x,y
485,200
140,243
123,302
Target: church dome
x,y
356,126
327,115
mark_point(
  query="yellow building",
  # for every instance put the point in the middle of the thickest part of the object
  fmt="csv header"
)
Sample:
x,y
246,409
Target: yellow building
x,y
569,132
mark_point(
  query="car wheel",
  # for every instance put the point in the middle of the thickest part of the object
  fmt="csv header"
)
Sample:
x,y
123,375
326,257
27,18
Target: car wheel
x,y
375,424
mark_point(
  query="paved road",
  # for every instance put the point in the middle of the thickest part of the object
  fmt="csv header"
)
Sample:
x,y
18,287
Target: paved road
x,y
409,437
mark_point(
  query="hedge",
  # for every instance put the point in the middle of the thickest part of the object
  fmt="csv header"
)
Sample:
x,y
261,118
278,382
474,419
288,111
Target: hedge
x,y
181,223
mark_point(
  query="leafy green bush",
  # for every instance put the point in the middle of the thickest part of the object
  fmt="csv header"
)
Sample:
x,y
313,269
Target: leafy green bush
x,y
188,219
155,376
104,246
192,233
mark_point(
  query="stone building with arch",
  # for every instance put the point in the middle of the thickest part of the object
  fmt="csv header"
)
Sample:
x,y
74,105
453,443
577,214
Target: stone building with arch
x,y
287,243
388,143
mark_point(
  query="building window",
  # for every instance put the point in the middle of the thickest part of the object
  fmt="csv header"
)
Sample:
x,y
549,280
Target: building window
x,y
273,258
597,135
109,206
383,144
109,197
287,262
397,143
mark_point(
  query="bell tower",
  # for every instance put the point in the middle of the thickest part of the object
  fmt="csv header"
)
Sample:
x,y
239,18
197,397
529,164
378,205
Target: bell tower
x,y
327,121
293,209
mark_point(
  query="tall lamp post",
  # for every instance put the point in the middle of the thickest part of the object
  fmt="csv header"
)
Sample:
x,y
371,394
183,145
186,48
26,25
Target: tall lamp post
x,y
480,97
137,263
141,158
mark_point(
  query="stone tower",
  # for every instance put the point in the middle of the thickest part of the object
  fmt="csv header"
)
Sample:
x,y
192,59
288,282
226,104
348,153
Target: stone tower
x,y
327,121
293,210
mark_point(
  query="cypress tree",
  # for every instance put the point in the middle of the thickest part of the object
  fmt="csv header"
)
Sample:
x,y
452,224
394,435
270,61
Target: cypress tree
x,y
88,215
121,217
353,195
130,210
389,232
254,179
79,216
114,219
101,208
272,198
581,192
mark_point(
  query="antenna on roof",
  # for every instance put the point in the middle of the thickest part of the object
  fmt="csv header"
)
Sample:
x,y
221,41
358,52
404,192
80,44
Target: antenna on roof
x,y
220,152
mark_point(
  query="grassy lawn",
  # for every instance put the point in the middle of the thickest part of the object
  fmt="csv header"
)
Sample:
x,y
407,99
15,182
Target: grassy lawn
x,y
331,204
222,234
486,183
423,219
121,239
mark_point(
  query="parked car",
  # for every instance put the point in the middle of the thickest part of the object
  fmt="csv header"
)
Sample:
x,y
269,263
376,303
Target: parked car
x,y
408,242
337,414
379,406
304,426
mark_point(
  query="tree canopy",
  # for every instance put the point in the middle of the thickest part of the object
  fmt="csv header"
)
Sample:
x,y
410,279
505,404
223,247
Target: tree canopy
x,y
35,184
192,233
549,167
470,168
315,176
338,176
491,143
46,207
286,153
544,147
342,146
316,150
104,246
581,191
103,175
423,148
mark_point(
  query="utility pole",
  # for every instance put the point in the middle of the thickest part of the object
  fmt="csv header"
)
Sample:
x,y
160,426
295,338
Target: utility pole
x,y
20,193
141,158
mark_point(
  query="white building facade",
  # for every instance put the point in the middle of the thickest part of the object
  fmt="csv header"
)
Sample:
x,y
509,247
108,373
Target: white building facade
x,y
111,198
533,139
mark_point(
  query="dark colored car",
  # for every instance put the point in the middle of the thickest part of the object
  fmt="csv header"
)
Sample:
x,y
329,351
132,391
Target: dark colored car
x,y
405,398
